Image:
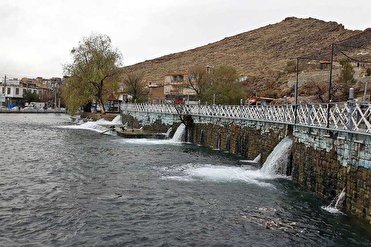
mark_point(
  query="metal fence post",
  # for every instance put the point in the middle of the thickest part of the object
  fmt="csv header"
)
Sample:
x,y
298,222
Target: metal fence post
x,y
309,120
351,107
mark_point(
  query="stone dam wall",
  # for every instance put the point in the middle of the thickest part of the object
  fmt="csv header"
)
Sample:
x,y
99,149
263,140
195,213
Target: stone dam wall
x,y
321,162
326,164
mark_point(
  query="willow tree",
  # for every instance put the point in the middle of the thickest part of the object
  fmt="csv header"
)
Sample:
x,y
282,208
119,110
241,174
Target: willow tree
x,y
93,73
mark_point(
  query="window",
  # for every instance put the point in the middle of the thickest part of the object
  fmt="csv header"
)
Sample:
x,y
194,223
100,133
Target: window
x,y
3,90
17,91
8,90
24,91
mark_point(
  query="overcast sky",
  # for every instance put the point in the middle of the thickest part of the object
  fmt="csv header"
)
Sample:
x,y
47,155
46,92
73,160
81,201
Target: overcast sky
x,y
37,35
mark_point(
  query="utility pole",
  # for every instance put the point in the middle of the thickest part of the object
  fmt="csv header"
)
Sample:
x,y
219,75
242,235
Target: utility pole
x,y
330,80
330,85
5,91
296,91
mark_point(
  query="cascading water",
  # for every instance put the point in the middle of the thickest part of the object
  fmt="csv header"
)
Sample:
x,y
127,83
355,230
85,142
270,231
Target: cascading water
x,y
275,164
117,120
101,126
257,158
177,138
277,160
179,133
168,132
336,204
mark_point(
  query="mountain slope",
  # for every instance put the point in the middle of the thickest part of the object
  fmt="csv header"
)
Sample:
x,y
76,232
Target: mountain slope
x,y
261,54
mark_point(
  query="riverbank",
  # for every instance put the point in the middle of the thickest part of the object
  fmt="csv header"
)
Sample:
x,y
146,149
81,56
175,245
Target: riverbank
x,y
30,111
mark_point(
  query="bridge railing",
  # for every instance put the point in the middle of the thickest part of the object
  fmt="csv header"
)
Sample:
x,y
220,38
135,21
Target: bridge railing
x,y
350,116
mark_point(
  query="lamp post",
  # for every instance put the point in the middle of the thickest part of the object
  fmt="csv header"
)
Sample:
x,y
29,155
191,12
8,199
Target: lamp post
x,y
296,91
330,85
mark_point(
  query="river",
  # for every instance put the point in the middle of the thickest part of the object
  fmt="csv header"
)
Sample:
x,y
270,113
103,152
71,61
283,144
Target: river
x,y
76,187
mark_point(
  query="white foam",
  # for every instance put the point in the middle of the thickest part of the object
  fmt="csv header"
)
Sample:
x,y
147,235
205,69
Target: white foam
x,y
336,204
99,126
146,141
213,173
178,178
177,139
332,210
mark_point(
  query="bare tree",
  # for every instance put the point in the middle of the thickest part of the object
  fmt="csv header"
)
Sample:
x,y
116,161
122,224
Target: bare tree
x,y
197,79
135,86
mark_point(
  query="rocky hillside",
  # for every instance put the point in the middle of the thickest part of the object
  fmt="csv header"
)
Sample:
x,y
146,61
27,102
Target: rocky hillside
x,y
261,55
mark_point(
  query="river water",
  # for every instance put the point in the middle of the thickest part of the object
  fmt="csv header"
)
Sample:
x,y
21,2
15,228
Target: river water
x,y
76,187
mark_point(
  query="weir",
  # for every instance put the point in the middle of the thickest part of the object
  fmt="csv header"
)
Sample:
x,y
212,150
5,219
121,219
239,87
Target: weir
x,y
278,159
322,160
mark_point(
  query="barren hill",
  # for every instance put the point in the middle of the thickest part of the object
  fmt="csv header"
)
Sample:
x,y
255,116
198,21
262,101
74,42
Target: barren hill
x,y
261,54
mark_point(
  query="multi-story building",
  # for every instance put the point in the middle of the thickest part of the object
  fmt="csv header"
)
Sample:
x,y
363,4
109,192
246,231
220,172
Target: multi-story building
x,y
49,90
156,93
178,90
11,91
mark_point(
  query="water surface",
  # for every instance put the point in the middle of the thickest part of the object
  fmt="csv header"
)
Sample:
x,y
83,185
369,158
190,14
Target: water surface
x,y
72,187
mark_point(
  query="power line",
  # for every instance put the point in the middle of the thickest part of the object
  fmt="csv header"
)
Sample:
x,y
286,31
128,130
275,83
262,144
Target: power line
x,y
354,59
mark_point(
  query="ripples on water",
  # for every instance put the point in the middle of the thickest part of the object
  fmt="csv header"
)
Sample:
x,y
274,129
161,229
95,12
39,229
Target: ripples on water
x,y
72,187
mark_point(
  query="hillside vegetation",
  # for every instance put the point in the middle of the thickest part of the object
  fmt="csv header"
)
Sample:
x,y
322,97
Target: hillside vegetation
x,y
262,54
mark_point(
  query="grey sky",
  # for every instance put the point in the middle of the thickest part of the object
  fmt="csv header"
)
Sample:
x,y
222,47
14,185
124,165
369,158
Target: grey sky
x,y
37,35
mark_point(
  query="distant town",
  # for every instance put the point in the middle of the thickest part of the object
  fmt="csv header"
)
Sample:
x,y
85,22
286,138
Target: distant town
x,y
37,92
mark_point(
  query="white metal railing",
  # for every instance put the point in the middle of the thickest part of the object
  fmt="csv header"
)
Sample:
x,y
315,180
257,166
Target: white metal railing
x,y
350,116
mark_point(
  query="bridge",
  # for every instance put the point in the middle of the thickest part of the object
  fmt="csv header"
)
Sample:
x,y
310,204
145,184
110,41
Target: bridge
x,y
331,149
346,116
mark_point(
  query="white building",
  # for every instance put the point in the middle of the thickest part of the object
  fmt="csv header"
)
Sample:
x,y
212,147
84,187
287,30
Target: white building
x,y
11,92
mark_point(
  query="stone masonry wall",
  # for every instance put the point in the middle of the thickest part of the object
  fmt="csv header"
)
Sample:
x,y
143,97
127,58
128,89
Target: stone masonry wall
x,y
326,164
247,141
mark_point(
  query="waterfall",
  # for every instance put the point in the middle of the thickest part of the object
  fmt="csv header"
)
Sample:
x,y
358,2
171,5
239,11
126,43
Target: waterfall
x,y
277,160
168,132
179,133
336,204
257,158
340,201
102,126
117,120
251,162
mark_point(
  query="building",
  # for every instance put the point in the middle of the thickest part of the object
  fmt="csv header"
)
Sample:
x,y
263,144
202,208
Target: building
x,y
122,94
49,90
29,84
11,91
178,90
156,94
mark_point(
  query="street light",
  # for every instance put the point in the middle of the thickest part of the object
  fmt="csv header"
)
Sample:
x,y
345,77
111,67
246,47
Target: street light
x,y
330,85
